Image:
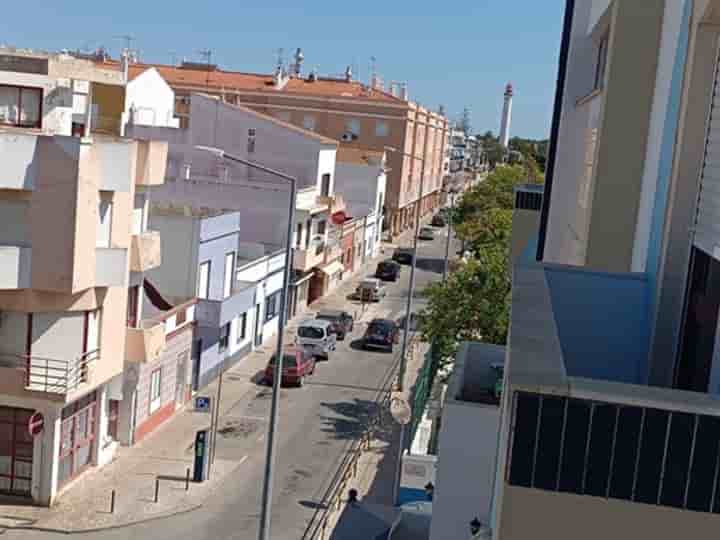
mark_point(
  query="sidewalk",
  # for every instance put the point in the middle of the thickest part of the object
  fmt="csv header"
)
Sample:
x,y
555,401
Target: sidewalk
x,y
164,456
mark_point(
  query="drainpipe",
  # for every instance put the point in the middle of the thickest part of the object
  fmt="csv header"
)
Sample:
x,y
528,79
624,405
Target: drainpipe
x,y
555,126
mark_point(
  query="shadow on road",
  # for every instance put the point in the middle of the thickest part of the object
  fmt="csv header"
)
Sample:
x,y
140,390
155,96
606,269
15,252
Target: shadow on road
x,y
431,265
348,420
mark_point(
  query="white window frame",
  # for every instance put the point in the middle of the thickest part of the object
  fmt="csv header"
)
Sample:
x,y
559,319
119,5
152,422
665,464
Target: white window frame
x,y
155,391
229,274
241,328
203,294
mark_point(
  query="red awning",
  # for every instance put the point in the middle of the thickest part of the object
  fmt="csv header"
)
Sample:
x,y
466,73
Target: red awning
x,y
338,218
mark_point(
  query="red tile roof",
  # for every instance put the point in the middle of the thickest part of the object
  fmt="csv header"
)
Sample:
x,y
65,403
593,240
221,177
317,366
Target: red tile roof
x,y
234,80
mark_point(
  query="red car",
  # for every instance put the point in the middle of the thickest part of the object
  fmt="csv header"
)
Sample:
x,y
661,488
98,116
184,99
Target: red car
x,y
298,363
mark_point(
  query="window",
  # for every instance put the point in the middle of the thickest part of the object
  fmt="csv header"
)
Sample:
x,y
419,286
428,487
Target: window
x,y
321,227
271,306
251,141
601,63
21,106
308,226
102,239
381,129
132,306
203,290
242,327
113,416
229,274
155,390
325,186
352,126
310,332
309,122
224,337
298,240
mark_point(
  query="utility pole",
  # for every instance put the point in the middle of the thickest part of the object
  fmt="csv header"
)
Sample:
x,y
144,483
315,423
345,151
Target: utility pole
x,y
449,234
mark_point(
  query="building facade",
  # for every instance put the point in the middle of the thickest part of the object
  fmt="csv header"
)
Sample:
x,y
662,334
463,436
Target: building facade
x,y
344,110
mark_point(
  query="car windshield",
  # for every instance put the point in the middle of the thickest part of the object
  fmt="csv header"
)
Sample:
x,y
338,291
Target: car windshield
x,y
289,361
328,316
385,266
310,332
378,328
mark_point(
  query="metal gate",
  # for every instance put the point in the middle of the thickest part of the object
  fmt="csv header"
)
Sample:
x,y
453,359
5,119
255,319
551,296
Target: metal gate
x,y
16,451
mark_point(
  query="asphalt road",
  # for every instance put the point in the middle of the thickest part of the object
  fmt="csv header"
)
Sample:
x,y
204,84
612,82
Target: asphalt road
x,y
317,422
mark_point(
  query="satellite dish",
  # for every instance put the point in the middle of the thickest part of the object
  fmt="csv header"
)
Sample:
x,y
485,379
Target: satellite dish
x,y
400,410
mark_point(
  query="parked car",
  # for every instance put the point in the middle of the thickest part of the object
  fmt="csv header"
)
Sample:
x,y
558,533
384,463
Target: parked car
x,y
403,255
317,336
370,290
298,363
341,321
381,333
426,233
387,270
438,221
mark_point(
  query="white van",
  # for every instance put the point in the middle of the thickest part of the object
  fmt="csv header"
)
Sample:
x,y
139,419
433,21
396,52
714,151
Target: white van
x,y
317,336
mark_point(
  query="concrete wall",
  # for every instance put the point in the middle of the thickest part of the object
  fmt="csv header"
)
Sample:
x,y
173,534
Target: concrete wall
x,y
218,237
177,275
465,467
14,222
561,516
151,100
359,186
591,308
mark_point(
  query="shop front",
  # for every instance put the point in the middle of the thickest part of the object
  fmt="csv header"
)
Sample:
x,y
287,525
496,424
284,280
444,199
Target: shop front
x,y
16,451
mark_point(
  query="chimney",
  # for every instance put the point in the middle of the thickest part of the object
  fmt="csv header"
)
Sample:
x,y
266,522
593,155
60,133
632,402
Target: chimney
x,y
124,64
280,78
297,66
348,74
312,76
404,92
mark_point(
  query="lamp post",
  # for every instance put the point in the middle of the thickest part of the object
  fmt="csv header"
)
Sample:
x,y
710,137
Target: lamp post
x,y
411,287
266,512
450,192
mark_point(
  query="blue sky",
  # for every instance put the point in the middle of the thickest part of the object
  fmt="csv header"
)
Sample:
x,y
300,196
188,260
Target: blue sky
x,y
459,53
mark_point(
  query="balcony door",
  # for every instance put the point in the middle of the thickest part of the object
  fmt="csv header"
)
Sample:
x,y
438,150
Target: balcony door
x,y
16,451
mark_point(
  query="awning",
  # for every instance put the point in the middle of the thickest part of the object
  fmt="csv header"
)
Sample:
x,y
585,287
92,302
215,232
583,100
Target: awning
x,y
332,268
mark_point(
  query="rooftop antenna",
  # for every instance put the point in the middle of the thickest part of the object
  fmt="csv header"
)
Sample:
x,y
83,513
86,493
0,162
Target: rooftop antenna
x,y
373,72
173,57
207,55
128,39
280,60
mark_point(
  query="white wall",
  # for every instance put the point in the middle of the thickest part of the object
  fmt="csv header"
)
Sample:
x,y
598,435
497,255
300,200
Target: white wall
x,y
359,186
465,468
272,284
326,165
151,101
14,223
13,332
58,335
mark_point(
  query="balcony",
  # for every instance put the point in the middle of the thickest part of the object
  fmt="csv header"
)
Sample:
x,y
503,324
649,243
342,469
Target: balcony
x,y
15,267
216,313
148,342
110,267
151,163
145,251
18,151
47,375
305,259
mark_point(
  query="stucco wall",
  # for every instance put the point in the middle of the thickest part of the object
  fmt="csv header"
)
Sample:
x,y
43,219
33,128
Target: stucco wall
x,y
151,98
177,275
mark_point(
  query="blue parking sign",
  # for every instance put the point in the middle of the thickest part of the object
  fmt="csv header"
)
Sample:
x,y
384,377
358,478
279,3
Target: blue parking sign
x,y
202,404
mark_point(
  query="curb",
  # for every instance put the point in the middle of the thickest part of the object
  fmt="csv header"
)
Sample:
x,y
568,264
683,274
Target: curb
x,y
105,528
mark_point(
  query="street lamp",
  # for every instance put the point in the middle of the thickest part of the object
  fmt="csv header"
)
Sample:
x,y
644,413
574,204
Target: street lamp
x,y
264,533
411,289
452,193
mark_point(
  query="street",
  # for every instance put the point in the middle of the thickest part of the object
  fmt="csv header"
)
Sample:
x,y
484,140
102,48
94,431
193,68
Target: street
x,y
317,423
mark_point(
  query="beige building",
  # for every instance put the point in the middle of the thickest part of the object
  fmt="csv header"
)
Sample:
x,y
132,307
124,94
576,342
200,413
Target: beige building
x,y
72,238
345,110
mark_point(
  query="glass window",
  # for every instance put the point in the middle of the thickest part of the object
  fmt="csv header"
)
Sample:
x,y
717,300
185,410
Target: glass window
x,y
352,126
527,407
577,424
682,429
704,468
311,332
309,122
325,186
601,63
155,391
321,226
627,442
229,274
224,337
203,290
652,450
601,443
547,461
20,106
271,306
382,129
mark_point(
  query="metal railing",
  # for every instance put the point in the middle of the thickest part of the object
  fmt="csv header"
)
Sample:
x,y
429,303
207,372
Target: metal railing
x,y
332,501
52,375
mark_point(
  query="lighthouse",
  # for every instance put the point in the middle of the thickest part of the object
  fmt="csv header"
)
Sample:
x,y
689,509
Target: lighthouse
x,y
507,111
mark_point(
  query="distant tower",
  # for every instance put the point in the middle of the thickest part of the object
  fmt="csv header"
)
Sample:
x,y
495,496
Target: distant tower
x,y
507,111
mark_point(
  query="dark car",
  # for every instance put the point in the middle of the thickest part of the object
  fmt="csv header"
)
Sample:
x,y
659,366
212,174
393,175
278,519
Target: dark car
x,y
381,333
341,321
438,221
387,271
298,363
403,255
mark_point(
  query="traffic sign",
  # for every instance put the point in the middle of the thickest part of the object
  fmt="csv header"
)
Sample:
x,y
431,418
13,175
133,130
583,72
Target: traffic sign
x,y
202,403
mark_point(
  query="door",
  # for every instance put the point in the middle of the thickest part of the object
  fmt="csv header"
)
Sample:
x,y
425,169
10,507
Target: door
x,y
77,436
258,326
16,451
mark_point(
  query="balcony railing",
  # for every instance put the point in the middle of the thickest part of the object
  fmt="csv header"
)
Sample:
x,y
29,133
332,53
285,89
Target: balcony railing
x,y
52,375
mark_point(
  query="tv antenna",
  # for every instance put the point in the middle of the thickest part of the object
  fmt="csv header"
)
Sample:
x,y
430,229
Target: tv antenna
x,y
280,58
206,54
128,39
